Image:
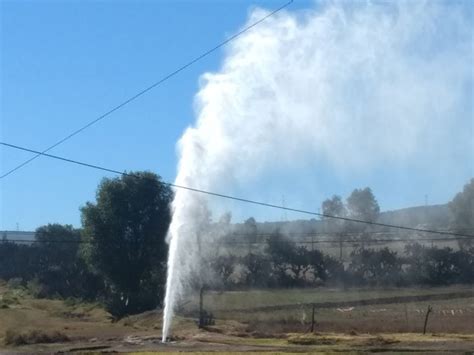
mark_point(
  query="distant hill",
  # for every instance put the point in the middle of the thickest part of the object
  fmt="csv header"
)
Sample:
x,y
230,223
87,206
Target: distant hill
x,y
434,217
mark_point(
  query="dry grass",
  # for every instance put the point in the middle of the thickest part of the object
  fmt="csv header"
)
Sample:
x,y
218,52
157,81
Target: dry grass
x,y
453,315
34,336
26,320
89,328
205,353
223,301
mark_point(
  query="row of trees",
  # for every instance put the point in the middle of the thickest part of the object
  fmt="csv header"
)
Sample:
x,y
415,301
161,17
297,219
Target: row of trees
x,y
119,255
360,205
285,264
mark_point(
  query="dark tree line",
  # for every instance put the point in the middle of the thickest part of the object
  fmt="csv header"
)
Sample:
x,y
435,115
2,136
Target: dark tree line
x,y
52,267
118,256
284,264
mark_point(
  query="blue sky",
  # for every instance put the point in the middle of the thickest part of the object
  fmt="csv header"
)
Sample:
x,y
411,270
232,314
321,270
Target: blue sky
x,y
65,63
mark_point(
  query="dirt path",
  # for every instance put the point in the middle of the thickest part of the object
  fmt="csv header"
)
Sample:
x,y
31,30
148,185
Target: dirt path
x,y
205,342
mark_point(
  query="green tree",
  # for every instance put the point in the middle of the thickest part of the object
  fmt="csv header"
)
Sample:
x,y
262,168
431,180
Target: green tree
x,y
438,266
57,258
462,213
280,251
60,269
250,229
333,207
362,205
462,208
257,269
224,267
325,268
126,228
290,262
17,261
376,267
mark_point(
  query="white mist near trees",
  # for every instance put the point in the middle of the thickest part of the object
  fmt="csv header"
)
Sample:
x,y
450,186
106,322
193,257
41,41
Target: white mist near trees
x,y
352,85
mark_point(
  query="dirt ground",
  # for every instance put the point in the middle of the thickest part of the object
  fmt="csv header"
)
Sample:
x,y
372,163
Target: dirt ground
x,y
139,342
29,325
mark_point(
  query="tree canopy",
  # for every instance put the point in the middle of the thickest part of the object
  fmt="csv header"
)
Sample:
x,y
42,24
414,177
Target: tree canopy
x,y
333,206
126,228
462,208
58,265
362,205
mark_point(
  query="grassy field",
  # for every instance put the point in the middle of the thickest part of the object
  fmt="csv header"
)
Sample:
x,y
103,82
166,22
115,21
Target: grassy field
x,y
291,310
34,325
270,297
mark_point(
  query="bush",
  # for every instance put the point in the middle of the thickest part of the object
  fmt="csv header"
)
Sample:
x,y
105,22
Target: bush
x,y
50,268
257,270
439,266
8,299
13,337
35,288
376,267
15,283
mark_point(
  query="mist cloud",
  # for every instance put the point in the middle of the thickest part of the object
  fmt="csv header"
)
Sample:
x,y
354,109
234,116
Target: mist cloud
x,y
354,86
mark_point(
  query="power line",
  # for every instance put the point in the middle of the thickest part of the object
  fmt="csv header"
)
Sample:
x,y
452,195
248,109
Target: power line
x,y
245,200
337,234
147,89
315,234
246,242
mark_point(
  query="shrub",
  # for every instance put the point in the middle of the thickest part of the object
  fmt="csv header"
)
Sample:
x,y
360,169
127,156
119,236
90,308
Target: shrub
x,y
15,283
376,267
35,288
13,337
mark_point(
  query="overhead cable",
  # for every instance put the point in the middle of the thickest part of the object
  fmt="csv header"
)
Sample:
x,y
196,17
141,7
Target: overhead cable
x,y
245,200
147,89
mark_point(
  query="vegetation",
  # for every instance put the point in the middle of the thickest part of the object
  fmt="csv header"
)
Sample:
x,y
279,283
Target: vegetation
x,y
362,205
33,337
88,326
118,257
284,264
462,208
126,230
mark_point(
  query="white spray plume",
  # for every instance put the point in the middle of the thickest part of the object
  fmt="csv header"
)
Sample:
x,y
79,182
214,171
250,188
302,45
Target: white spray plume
x,y
353,85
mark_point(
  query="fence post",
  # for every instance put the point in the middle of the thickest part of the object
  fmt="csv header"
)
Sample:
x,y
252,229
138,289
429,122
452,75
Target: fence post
x,y
312,320
426,318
